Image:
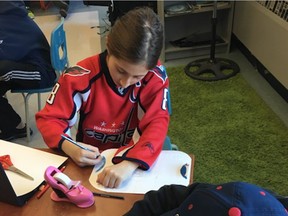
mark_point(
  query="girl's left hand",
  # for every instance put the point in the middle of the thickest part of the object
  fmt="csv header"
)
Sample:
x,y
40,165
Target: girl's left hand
x,y
114,175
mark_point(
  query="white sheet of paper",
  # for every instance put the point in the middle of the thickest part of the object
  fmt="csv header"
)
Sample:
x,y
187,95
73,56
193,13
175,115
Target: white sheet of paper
x,y
32,161
165,171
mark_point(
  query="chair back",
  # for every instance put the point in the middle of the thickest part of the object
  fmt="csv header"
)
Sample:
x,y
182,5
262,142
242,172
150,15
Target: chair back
x,y
58,52
169,102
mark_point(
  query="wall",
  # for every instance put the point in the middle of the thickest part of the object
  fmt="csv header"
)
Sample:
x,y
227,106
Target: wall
x,y
265,35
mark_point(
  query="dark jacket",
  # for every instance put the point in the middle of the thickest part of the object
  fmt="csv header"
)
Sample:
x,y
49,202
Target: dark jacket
x,y
201,199
21,40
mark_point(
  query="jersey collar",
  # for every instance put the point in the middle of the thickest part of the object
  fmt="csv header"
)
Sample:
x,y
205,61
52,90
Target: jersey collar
x,y
118,90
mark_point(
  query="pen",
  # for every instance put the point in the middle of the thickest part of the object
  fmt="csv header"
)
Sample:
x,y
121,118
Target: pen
x,y
47,186
75,143
108,196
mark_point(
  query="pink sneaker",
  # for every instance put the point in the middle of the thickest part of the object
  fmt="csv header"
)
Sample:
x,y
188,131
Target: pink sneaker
x,y
64,189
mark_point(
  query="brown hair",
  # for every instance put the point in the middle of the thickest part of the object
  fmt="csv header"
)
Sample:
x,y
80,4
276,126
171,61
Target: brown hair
x,y
137,37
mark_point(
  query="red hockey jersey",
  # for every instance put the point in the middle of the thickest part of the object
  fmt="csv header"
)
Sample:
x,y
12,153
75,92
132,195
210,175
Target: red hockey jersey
x,y
134,120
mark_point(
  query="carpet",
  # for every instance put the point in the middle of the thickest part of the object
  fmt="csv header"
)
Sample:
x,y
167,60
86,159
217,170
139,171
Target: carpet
x,y
234,135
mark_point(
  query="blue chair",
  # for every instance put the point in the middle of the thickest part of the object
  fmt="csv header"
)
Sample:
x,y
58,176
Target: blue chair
x,y
59,63
167,143
169,103
59,54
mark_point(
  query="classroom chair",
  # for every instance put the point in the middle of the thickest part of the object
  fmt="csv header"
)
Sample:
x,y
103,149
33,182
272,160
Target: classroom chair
x,y
167,143
59,60
59,54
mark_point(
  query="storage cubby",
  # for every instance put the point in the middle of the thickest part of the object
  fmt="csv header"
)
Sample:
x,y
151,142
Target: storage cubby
x,y
194,26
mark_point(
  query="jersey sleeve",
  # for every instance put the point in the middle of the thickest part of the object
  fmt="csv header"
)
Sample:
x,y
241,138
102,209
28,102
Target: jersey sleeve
x,y
60,111
153,114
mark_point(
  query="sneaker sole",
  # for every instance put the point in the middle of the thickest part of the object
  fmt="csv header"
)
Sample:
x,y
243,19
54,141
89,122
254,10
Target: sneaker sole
x,y
17,136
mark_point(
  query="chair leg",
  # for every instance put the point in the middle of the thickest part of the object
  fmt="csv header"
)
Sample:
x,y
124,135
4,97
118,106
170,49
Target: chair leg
x,y
39,101
26,101
174,147
167,144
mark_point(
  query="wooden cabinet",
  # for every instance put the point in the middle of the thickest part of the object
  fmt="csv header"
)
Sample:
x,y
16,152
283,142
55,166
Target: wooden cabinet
x,y
191,28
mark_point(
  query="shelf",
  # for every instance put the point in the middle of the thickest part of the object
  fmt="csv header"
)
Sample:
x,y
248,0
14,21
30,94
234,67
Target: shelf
x,y
198,9
186,20
172,52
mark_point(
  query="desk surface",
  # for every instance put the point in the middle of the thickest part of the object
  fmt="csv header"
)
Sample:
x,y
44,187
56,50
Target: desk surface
x,y
102,206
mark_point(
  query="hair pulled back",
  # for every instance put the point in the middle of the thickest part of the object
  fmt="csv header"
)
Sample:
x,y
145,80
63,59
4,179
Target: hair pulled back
x,y
137,37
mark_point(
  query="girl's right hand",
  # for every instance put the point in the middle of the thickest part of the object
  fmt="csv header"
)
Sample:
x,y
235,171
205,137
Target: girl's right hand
x,y
80,156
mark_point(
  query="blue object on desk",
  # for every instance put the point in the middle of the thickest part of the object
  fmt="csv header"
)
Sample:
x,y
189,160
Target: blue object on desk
x,y
183,170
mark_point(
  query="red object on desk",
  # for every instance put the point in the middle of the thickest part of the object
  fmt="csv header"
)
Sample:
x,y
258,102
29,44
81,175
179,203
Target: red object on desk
x,y
47,186
7,164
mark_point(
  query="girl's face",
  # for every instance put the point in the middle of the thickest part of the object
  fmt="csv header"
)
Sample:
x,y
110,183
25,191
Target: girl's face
x,y
125,73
